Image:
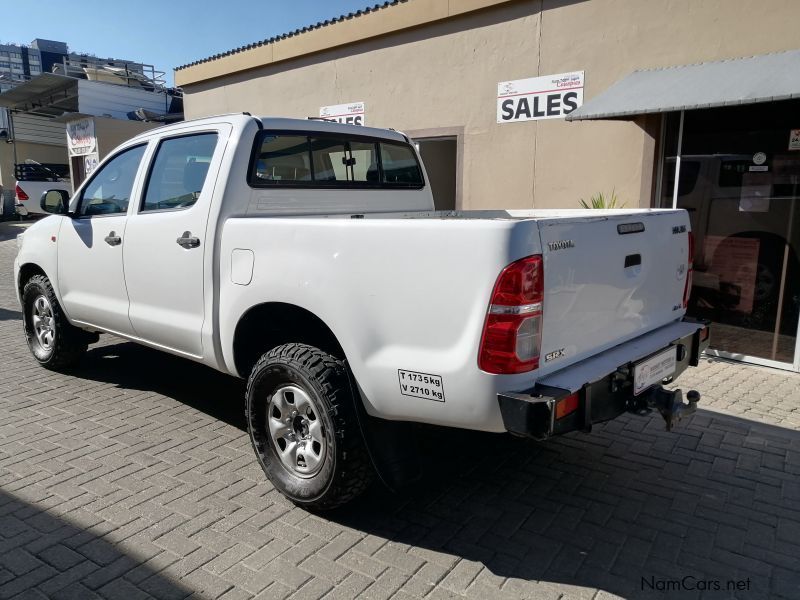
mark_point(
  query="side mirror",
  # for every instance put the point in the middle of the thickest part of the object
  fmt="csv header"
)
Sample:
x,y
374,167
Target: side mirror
x,y
55,202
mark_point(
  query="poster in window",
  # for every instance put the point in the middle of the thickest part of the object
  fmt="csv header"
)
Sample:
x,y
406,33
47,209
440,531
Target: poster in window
x,y
733,261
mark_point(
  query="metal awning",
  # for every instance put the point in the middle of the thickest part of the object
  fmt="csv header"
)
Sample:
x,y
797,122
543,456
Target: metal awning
x,y
764,78
46,94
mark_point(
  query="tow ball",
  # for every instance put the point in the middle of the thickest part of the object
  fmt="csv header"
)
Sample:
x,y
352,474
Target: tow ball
x,y
669,403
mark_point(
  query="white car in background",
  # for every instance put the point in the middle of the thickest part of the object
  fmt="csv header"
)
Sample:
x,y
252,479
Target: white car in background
x,y
33,180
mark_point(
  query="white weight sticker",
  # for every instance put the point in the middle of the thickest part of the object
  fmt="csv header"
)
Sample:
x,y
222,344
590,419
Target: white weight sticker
x,y
421,385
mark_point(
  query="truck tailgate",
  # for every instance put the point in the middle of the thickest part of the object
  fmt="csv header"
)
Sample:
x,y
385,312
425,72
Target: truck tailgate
x,y
608,279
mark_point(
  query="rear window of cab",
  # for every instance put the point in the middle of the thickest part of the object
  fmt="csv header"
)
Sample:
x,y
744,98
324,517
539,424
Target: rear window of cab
x,y
319,160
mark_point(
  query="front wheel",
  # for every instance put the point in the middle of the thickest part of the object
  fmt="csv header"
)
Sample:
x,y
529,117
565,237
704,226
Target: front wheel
x,y
301,416
52,340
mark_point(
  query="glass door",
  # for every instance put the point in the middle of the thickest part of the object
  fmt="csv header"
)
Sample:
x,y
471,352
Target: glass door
x,y
739,178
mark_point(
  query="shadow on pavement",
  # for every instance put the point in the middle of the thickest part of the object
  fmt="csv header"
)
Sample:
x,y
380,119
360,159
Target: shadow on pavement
x,y
42,551
10,315
10,230
135,367
629,509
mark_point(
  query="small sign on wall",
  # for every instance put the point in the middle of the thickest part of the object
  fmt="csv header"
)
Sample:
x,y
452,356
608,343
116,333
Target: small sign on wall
x,y
80,137
794,139
353,113
546,97
90,162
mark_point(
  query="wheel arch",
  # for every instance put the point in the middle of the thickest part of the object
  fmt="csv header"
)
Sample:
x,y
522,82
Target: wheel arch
x,y
28,270
268,325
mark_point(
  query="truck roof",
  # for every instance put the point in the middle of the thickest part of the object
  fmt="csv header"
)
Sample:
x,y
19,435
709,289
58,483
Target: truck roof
x,y
330,127
284,123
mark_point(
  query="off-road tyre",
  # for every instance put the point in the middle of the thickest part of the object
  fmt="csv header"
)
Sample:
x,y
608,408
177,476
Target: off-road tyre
x,y
346,470
68,343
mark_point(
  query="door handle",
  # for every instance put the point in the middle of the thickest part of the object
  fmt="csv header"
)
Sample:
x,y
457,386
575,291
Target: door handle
x,y
633,260
112,239
188,241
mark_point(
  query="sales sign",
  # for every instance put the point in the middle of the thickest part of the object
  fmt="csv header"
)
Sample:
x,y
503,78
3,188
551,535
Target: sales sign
x,y
546,97
353,113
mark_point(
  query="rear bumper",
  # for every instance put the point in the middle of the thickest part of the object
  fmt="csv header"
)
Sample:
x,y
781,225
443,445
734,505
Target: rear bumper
x,y
21,209
605,389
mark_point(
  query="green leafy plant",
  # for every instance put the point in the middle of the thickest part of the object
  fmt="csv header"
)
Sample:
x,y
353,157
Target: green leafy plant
x,y
599,200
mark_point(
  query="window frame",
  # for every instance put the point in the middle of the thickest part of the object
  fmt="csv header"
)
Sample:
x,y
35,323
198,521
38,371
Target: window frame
x,y
84,186
310,134
140,210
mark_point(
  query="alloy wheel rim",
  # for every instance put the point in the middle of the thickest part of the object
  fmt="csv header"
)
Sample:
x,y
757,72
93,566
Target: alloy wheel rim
x,y
296,430
44,326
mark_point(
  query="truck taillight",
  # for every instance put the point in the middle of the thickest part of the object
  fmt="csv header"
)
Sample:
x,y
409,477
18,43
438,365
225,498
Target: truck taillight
x,y
21,195
687,289
512,335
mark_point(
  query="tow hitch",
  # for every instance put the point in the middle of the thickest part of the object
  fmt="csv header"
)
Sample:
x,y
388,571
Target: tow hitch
x,y
670,404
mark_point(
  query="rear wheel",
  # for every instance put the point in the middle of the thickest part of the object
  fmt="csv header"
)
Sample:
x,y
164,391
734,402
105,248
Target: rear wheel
x,y
301,416
52,340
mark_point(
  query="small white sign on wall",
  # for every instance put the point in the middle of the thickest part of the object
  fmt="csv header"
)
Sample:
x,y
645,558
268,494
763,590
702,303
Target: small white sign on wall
x,y
794,139
353,113
80,137
546,97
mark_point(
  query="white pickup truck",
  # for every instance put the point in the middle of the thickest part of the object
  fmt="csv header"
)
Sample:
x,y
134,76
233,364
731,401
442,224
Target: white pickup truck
x,y
306,256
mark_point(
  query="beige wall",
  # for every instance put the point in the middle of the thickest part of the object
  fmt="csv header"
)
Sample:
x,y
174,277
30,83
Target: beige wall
x,y
444,74
111,133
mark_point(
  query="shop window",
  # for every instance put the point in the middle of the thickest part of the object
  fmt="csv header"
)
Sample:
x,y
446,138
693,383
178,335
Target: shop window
x,y
740,183
690,171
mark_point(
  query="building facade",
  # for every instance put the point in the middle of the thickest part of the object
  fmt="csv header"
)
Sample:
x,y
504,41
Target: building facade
x,y
541,103
19,63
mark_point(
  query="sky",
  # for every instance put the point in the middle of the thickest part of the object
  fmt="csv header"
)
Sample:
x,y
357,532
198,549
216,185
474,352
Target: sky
x,y
163,33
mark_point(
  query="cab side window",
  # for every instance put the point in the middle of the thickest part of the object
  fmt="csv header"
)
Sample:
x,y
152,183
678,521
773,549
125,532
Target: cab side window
x,y
109,191
333,161
179,172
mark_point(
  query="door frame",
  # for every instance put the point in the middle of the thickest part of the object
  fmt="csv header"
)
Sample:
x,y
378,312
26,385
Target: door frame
x,y
457,133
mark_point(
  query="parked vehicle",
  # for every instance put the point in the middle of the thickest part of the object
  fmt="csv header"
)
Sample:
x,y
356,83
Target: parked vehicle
x,y
305,256
33,179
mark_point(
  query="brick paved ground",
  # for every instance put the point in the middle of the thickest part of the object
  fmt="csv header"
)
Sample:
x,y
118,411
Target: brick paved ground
x,y
133,478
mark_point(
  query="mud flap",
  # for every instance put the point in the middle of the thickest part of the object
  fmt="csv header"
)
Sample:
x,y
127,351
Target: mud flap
x,y
391,445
